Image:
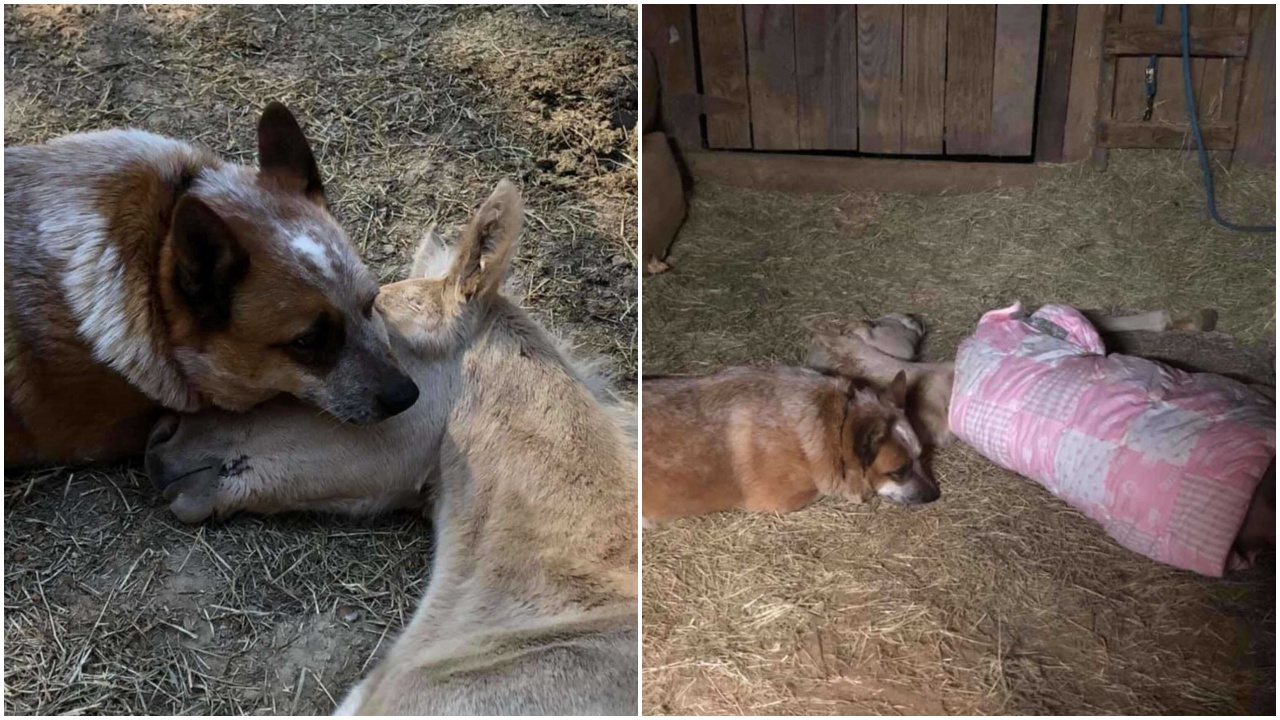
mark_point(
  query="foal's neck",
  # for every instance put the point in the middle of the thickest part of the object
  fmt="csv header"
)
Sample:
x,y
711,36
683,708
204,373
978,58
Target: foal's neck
x,y
539,484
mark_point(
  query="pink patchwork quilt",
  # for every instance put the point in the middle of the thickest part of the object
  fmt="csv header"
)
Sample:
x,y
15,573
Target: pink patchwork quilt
x,y
1166,460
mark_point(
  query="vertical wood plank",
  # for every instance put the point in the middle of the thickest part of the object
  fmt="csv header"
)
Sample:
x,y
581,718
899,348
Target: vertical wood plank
x,y
826,76
1171,92
1233,72
1106,88
1130,71
1209,99
1082,95
1013,86
668,35
924,77
723,54
880,78
1232,82
971,33
1256,129
771,67
1201,16
1055,80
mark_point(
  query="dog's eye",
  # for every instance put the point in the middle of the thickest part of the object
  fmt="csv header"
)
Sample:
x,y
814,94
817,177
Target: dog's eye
x,y
307,340
900,472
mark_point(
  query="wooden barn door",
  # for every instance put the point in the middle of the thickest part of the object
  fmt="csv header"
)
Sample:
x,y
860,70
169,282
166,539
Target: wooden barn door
x,y
882,79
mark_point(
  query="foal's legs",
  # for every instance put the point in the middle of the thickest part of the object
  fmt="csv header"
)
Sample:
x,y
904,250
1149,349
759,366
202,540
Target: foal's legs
x,y
285,456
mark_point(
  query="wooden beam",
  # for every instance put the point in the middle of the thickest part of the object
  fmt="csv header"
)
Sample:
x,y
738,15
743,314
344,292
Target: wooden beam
x,y
1170,106
1167,40
668,35
1106,89
1082,95
827,76
724,75
835,174
1055,82
1117,134
924,77
1232,77
880,78
1256,128
971,44
771,76
1128,97
1013,87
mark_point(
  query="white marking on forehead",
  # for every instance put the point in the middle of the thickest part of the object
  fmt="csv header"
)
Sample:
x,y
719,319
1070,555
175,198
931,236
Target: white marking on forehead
x,y
319,256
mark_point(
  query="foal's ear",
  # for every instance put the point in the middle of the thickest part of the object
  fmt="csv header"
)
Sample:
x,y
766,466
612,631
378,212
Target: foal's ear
x,y
433,257
488,243
897,393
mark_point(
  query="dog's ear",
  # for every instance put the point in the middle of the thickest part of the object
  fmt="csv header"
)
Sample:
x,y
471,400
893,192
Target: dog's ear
x,y
208,262
488,243
896,394
284,154
869,433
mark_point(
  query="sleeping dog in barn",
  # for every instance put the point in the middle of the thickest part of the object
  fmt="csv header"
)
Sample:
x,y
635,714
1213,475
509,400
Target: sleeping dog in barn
x,y
773,440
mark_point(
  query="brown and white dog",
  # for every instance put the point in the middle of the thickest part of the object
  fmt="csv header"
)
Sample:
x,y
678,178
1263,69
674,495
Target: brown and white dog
x,y
143,273
774,439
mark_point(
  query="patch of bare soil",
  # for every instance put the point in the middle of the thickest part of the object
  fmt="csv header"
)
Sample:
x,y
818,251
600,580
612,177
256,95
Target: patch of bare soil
x,y
998,598
415,112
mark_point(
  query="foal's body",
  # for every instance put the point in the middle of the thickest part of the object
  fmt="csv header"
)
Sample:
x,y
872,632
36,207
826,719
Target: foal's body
x,y
529,476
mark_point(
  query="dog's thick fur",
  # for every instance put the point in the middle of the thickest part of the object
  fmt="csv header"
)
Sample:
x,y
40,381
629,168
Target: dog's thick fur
x,y
143,273
529,474
773,440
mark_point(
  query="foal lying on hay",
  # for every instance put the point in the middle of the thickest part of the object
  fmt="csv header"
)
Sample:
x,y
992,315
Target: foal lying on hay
x,y
1176,466
528,473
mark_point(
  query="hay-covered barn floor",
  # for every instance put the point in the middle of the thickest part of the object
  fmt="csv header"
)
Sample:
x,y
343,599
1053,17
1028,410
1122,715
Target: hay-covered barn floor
x,y
998,598
112,606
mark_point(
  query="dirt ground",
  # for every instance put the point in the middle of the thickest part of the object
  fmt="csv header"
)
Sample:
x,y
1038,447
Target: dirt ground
x,y
111,605
998,598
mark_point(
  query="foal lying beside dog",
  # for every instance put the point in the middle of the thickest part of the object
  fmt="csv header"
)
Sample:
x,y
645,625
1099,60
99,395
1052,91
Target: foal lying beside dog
x,y
876,351
528,474
1177,466
773,440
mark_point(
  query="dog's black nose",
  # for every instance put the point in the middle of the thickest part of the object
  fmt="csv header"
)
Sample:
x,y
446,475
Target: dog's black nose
x,y
928,493
397,396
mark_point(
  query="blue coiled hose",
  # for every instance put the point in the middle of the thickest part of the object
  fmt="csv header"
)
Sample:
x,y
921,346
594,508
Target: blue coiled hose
x,y
1205,170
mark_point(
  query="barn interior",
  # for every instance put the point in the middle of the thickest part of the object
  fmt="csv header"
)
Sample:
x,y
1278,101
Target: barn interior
x,y
845,162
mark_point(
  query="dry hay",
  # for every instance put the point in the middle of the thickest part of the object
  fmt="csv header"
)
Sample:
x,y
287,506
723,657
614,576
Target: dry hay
x,y
998,598
112,606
